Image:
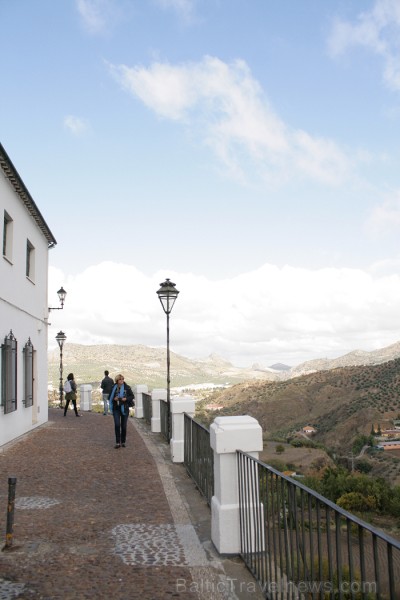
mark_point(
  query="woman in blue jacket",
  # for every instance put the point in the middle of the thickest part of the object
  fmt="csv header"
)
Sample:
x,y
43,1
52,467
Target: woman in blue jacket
x,y
121,400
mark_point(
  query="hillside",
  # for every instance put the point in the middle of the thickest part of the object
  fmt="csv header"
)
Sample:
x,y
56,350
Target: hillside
x,y
340,403
145,365
351,359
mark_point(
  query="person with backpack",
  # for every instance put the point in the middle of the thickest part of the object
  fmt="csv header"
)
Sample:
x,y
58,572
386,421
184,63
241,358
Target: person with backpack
x,y
70,394
121,400
106,385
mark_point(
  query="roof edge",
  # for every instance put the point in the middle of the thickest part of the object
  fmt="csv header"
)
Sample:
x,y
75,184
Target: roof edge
x,y
20,188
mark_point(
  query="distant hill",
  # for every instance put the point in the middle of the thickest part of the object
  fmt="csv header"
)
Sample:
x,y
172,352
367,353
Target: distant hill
x,y
352,359
145,365
280,367
340,403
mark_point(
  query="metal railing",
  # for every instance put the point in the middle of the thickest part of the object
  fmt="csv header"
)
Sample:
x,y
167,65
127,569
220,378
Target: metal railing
x,y
147,411
198,456
298,544
165,418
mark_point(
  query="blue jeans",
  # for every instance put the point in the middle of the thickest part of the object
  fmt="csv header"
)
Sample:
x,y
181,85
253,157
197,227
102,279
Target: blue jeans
x,y
120,422
105,402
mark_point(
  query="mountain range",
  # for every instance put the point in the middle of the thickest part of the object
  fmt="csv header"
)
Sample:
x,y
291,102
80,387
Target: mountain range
x,y
147,365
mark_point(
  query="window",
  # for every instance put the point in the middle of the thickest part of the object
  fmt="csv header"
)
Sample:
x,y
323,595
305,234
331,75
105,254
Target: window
x,y
30,260
7,236
9,373
28,373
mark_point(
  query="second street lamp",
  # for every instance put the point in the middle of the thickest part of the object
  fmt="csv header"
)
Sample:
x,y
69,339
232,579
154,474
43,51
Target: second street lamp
x,y
61,337
167,295
61,295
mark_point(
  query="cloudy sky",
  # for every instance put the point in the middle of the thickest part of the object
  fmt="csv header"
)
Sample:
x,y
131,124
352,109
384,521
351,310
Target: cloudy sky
x,y
247,149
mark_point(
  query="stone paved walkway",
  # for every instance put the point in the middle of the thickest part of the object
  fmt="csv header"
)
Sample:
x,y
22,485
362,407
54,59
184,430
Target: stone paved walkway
x,y
95,522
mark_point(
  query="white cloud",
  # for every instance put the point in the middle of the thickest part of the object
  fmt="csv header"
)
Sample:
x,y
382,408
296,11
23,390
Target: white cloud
x,y
75,125
98,16
228,109
385,217
183,8
264,316
379,31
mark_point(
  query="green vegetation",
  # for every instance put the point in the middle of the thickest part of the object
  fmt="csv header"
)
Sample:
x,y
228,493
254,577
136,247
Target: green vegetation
x,y
362,440
357,493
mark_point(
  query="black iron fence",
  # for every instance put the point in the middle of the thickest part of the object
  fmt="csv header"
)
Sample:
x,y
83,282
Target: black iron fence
x,y
198,456
147,412
165,418
298,544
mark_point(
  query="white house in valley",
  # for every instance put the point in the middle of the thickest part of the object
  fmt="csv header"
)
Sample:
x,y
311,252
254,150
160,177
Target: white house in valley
x,y
23,307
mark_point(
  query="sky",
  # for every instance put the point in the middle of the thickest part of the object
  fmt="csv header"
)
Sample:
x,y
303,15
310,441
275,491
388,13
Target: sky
x,y
249,150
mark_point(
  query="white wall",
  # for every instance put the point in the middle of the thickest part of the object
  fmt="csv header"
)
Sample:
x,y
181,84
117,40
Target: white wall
x,y
23,309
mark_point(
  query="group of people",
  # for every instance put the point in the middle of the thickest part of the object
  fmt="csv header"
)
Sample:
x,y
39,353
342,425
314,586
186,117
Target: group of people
x,y
118,398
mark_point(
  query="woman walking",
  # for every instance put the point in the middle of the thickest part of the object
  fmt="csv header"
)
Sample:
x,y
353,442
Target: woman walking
x,y
70,395
121,400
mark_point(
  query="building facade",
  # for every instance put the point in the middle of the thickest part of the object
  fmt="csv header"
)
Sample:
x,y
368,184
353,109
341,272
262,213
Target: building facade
x,y
23,307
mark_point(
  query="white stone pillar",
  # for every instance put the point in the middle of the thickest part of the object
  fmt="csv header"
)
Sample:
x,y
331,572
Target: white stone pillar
x,y
138,390
158,395
228,434
179,406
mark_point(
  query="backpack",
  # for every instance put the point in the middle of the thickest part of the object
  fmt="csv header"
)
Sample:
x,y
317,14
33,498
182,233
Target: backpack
x,y
67,386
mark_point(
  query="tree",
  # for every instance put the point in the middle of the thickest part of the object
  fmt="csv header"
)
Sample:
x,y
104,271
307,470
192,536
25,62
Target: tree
x,y
279,448
335,482
363,466
354,501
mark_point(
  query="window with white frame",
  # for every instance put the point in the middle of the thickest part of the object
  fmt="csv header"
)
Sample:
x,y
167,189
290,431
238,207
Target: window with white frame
x,y
28,373
30,260
7,236
9,374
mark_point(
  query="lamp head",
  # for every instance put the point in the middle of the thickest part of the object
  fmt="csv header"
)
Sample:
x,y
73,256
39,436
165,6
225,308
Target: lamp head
x,y
62,294
61,337
167,295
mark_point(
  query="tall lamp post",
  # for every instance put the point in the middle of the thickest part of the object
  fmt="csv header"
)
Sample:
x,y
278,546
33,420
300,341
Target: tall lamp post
x,y
61,337
167,295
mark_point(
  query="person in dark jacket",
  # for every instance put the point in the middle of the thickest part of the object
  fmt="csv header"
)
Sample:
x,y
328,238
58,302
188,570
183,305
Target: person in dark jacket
x,y
121,400
71,395
106,385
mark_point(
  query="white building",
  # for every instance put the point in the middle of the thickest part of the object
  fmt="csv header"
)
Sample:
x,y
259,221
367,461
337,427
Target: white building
x,y
23,307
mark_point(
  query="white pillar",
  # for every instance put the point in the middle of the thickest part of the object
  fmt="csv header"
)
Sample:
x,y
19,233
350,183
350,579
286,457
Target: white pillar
x,y
138,390
179,406
158,395
228,434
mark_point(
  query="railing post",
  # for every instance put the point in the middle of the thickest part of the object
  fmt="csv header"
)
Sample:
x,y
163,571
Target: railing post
x,y
179,406
138,390
228,434
157,396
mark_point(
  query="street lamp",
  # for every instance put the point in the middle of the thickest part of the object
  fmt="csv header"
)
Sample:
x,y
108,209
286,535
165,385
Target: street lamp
x,y
61,294
61,337
167,295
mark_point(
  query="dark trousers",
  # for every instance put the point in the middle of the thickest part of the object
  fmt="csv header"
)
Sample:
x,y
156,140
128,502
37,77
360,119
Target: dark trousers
x,y
120,422
67,401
